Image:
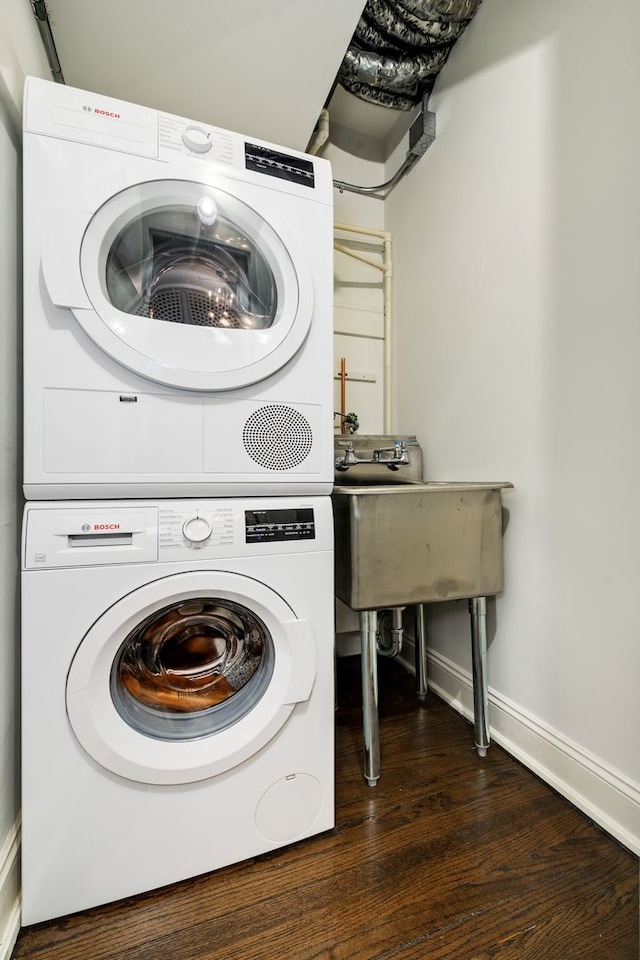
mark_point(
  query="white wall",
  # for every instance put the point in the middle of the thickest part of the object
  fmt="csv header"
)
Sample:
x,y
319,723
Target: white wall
x,y
20,53
518,235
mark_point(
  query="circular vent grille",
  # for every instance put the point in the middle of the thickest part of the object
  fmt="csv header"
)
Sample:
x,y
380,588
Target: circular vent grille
x,y
277,437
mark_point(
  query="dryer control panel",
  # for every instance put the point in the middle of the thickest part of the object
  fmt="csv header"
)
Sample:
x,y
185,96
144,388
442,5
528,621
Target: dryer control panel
x,y
75,115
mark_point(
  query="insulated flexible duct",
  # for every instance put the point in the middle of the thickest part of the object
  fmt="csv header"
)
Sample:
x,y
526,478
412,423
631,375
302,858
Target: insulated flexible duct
x,y
399,47
442,9
400,74
408,29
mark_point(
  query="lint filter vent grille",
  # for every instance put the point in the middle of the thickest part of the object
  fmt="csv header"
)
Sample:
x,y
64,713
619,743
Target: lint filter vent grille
x,y
277,437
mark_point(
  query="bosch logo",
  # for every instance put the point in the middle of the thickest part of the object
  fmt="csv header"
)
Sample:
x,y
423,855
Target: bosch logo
x,y
85,527
106,526
102,113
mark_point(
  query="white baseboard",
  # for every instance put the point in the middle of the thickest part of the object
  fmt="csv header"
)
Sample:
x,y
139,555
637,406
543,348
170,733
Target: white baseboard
x,y
599,791
10,891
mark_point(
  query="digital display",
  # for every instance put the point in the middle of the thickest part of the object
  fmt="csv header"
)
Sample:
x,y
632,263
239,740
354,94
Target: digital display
x,y
264,526
280,165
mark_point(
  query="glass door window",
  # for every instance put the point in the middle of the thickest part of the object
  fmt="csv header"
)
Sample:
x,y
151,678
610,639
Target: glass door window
x,y
192,668
187,676
191,264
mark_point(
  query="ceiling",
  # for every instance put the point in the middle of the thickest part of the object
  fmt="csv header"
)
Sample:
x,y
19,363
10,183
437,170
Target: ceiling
x,y
262,67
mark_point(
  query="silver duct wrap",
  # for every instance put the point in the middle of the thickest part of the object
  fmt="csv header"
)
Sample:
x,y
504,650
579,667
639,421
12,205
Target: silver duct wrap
x,y
399,47
398,74
450,10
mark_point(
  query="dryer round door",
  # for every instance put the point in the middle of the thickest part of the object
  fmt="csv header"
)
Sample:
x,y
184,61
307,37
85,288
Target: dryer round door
x,y
185,284
188,676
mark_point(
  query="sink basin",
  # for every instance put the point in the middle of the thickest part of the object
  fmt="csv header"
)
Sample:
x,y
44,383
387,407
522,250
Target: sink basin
x,y
406,543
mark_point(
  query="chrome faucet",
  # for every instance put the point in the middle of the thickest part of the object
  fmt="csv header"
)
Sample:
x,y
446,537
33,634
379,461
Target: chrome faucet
x,y
399,455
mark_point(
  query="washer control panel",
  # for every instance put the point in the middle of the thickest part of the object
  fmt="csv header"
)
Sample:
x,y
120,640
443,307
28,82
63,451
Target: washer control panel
x,y
125,532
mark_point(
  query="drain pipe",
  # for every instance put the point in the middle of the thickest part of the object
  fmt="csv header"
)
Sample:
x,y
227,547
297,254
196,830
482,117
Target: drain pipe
x,y
385,267
397,635
41,14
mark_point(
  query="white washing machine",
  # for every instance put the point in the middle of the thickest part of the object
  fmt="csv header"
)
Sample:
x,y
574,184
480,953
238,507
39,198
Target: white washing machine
x,y
178,290
178,698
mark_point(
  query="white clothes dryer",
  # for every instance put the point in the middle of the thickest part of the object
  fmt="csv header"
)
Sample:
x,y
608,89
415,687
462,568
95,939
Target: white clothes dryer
x,y
178,291
177,694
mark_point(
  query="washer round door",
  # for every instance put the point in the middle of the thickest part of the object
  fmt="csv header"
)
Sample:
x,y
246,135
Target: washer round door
x,y
188,676
183,283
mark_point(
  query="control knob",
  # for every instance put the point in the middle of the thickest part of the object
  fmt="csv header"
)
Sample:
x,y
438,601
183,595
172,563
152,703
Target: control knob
x,y
196,138
196,530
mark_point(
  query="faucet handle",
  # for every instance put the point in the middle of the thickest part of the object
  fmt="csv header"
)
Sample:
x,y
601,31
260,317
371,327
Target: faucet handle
x,y
348,458
400,449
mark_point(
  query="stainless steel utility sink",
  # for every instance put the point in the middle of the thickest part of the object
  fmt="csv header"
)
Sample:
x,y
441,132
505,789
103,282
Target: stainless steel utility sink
x,y
412,543
407,543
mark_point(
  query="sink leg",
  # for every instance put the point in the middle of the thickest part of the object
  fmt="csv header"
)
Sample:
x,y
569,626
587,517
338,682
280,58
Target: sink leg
x,y
369,667
421,653
478,612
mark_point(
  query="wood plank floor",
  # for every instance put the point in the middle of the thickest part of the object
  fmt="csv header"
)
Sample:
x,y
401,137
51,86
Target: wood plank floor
x,y
448,858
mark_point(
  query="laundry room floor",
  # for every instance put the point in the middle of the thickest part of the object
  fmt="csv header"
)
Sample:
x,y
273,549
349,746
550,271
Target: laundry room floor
x,y
449,858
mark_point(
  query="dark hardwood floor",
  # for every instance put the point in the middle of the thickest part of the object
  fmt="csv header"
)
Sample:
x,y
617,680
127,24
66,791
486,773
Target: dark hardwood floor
x,y
448,858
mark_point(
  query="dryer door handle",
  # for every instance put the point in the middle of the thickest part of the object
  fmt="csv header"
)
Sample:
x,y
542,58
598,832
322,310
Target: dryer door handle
x,y
61,258
303,660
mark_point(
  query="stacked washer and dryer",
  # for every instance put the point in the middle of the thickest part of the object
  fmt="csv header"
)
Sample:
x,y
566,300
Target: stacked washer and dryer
x,y
178,459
